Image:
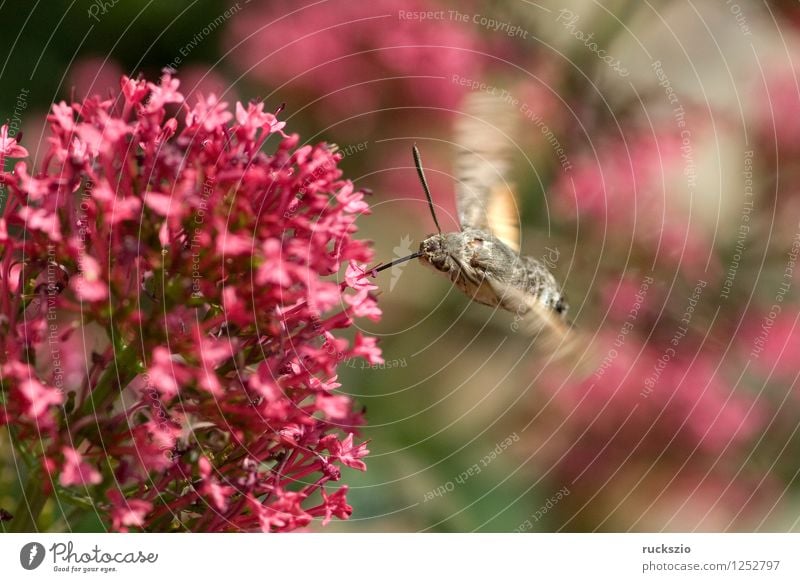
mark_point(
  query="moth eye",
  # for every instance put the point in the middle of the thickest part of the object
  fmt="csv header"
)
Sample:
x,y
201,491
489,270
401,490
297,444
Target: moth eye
x,y
561,306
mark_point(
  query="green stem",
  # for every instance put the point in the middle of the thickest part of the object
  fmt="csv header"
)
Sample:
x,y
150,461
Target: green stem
x,y
26,516
118,373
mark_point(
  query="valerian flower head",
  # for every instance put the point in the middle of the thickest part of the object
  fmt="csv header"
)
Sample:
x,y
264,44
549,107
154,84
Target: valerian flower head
x,y
191,247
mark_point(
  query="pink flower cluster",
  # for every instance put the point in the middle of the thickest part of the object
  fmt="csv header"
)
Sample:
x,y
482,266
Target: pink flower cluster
x,y
662,409
193,268
777,121
359,56
656,401
624,191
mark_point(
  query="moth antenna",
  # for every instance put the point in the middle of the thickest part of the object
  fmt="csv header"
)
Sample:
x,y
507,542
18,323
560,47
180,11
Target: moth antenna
x,y
421,173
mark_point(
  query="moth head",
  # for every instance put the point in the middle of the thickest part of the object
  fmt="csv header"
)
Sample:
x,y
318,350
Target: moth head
x,y
472,251
435,251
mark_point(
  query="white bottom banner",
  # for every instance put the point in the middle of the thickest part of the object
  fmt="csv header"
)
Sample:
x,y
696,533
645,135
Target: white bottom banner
x,y
388,557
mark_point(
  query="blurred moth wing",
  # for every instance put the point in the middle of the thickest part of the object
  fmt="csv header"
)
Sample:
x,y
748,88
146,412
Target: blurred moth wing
x,y
502,215
485,196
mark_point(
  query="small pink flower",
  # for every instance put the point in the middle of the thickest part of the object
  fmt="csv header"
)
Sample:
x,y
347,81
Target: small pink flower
x,y
39,397
364,305
274,270
209,113
324,295
218,494
367,348
254,118
353,200
76,472
37,188
285,515
348,454
89,286
40,219
335,407
164,93
152,444
335,505
127,513
166,373
357,277
161,204
234,245
9,147
62,118
327,386
134,90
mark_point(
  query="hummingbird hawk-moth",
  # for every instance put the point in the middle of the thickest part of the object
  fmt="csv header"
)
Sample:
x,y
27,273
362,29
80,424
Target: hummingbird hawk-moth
x,y
483,259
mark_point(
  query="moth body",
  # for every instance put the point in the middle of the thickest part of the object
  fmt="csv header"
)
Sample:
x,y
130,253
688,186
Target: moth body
x,y
491,273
